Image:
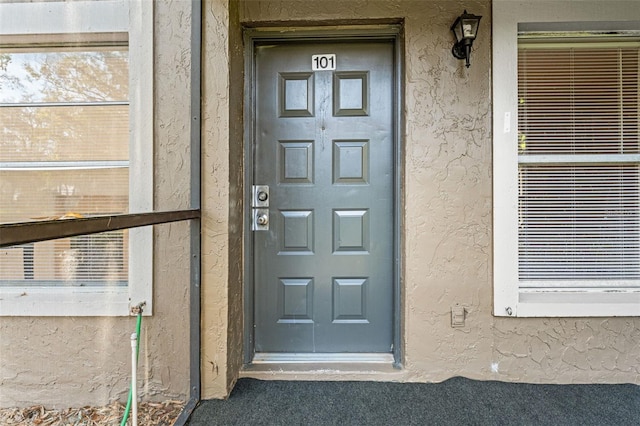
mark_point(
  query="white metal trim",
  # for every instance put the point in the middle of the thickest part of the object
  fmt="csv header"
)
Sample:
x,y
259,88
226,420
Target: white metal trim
x,y
578,158
60,17
313,358
564,285
533,42
63,165
576,303
64,301
505,167
61,104
141,158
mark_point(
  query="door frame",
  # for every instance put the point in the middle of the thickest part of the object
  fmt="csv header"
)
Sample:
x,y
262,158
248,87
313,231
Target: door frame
x,y
392,32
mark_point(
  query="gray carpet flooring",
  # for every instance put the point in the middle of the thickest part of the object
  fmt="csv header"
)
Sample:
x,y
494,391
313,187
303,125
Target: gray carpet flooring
x,y
457,401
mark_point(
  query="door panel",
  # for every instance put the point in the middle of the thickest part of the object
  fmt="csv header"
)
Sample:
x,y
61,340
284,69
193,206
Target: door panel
x,y
323,144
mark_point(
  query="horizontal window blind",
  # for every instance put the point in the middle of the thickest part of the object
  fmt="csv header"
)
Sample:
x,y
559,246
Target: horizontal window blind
x,y
579,179
579,222
64,153
59,132
85,260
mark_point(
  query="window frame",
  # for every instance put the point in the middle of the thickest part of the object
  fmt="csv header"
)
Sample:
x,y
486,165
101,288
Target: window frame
x,y
135,18
541,15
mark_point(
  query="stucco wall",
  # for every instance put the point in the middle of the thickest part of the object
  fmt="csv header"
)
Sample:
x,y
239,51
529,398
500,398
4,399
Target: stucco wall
x,y
62,362
218,299
447,216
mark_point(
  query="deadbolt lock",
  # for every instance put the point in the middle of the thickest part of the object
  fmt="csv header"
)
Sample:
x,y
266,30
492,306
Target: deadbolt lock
x,y
260,196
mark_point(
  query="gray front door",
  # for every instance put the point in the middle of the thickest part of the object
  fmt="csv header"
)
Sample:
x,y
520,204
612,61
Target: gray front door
x,y
323,144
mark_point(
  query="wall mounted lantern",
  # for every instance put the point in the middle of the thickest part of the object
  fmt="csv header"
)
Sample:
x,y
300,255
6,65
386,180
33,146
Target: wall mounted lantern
x,y
465,28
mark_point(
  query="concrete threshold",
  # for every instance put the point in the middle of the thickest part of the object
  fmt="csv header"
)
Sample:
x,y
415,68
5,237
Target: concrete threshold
x,y
323,367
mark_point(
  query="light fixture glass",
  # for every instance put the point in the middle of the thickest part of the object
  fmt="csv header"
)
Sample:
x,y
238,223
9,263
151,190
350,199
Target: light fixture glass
x,y
465,29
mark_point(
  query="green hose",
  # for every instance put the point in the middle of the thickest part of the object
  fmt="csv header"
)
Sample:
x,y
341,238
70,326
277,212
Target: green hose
x,y
128,408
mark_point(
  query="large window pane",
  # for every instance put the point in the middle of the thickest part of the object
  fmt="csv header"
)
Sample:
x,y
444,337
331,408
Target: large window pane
x,y
85,261
574,99
579,223
64,153
39,194
64,74
64,133
579,179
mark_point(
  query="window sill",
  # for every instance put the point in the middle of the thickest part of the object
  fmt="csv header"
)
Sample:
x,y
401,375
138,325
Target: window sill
x,y
64,301
578,303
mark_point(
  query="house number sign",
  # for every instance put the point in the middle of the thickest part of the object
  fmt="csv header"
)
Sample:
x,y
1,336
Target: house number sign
x,y
323,62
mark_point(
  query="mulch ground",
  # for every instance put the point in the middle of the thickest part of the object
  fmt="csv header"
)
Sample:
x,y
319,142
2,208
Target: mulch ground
x,y
149,414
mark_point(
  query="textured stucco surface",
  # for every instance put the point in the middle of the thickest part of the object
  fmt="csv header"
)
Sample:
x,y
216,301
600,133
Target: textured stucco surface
x,y
447,216
216,202
63,362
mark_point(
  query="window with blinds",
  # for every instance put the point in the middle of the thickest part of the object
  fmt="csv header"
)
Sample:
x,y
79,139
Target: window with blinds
x,y
578,162
64,153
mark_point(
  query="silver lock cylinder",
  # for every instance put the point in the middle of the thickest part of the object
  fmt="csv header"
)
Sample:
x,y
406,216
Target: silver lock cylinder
x,y
260,196
260,220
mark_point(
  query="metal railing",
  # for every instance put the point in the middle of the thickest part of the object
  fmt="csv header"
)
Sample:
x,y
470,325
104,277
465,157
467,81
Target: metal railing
x,y
32,232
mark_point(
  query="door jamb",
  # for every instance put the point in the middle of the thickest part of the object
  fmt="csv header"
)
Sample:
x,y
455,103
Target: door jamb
x,y
252,36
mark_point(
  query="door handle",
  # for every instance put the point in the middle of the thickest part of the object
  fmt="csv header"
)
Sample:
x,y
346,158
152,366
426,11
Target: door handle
x,y
260,220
